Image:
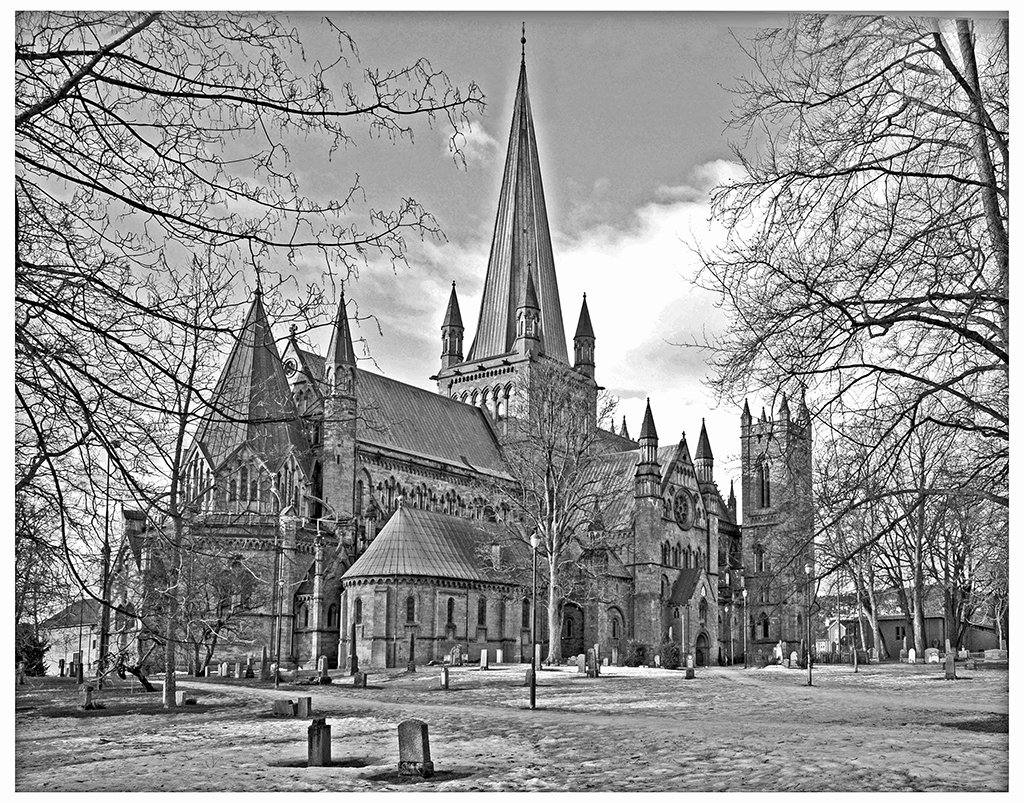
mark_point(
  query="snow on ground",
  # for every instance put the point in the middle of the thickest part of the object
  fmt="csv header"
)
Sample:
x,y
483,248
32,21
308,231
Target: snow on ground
x,y
891,727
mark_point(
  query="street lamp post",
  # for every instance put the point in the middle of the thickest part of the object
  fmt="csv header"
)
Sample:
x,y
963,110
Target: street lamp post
x,y
534,543
744,628
807,570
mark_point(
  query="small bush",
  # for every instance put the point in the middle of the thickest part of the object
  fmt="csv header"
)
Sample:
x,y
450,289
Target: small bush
x,y
636,653
670,655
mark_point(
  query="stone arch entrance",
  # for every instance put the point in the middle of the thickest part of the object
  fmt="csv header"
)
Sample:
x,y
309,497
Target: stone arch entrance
x,y
572,629
701,650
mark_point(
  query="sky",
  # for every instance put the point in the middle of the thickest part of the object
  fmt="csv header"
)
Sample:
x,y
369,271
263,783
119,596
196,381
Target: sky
x,y
630,113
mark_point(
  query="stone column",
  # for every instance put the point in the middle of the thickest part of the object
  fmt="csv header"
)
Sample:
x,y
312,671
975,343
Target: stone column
x,y
316,645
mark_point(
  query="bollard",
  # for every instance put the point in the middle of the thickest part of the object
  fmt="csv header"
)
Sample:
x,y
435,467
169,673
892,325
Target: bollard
x,y
359,680
87,701
414,749
353,659
499,657
483,659
318,737
444,677
411,666
950,666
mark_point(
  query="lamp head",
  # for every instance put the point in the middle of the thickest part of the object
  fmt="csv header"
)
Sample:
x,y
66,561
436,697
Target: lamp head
x,y
534,540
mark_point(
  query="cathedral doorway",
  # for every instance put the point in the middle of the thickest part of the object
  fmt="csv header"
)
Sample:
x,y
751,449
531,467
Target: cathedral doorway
x,y
701,649
572,629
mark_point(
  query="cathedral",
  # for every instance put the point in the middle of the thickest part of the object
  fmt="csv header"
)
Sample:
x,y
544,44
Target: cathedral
x,y
360,502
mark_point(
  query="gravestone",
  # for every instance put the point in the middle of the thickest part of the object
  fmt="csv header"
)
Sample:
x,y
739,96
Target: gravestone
x,y
484,660
794,659
911,656
657,660
223,671
581,663
239,670
873,653
903,656
499,657
414,749
80,672
411,666
359,680
264,666
597,653
456,654
283,708
87,702
963,655
950,666
997,655
444,677
615,656
60,667
318,741
323,677
186,698
604,662
593,668
948,647
690,674
304,707
931,656
249,672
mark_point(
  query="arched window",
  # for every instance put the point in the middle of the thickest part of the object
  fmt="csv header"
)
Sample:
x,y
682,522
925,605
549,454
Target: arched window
x,y
664,553
332,616
753,627
451,611
526,614
799,623
702,610
243,483
615,627
304,615
481,612
766,487
410,609
232,491
359,497
357,612
568,629
254,491
763,622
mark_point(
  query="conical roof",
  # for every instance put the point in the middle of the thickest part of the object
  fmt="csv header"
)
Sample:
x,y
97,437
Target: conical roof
x,y
252,404
521,238
648,430
703,444
584,328
452,315
421,543
530,293
340,351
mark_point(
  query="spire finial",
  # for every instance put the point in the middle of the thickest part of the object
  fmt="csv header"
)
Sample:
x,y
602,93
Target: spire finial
x,y
259,282
523,42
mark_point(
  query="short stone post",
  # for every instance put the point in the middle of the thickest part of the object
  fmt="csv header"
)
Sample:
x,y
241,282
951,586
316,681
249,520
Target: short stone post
x,y
499,657
690,674
581,663
87,701
414,749
60,667
412,652
444,677
318,738
359,680
321,668
950,665
483,659
353,659
304,708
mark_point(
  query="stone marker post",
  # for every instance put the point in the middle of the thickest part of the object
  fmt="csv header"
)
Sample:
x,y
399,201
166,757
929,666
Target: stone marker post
x,y
950,665
60,667
412,652
318,739
414,749
264,666
359,680
581,663
499,657
483,659
321,669
911,656
353,659
304,708
444,677
87,701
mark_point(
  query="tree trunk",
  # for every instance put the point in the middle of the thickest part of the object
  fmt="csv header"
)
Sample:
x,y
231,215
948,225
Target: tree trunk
x,y
141,678
554,617
876,630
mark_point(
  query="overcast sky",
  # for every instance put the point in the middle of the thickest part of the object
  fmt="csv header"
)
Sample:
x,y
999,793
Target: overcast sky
x,y
629,111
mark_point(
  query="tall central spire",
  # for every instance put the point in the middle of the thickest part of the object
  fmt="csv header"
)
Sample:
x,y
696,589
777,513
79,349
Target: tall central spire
x,y
522,243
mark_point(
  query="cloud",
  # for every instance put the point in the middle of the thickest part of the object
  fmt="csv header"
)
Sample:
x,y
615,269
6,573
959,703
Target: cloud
x,y
477,146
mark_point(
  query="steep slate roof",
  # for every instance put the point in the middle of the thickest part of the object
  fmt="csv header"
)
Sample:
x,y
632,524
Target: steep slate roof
x,y
340,351
452,315
584,328
703,444
421,543
86,612
418,422
252,404
521,238
647,430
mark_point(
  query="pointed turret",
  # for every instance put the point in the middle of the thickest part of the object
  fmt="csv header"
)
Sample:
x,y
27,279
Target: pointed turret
x,y
625,429
583,342
521,238
648,472
732,500
784,408
335,485
803,415
529,331
745,417
451,333
703,460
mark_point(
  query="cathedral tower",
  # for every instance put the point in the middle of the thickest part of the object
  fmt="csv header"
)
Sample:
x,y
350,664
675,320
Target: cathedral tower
x,y
339,427
451,333
583,343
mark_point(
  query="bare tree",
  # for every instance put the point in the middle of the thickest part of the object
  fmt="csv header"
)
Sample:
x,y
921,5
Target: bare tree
x,y
558,485
867,250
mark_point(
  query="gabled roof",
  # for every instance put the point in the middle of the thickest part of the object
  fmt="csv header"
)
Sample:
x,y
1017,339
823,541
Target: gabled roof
x,y
421,543
521,238
81,611
424,424
252,405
